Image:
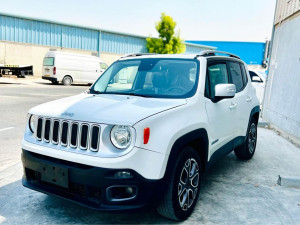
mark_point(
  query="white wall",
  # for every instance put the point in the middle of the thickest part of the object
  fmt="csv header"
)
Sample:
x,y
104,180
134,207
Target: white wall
x,y
27,54
282,98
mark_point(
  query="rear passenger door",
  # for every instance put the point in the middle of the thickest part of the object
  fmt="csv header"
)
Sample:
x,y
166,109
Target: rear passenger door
x,y
238,77
220,114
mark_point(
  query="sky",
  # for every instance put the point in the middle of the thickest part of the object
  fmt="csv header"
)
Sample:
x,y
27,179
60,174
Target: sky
x,y
213,20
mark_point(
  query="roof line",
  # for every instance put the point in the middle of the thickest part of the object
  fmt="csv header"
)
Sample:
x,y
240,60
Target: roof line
x,y
228,41
93,28
199,45
68,24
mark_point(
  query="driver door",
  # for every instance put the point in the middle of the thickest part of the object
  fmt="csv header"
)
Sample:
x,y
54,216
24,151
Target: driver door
x,y
220,114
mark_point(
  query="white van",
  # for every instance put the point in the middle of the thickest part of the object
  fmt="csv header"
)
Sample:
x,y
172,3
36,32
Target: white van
x,y
71,68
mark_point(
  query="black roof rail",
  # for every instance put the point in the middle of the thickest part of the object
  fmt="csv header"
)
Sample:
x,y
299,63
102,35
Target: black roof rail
x,y
136,54
213,53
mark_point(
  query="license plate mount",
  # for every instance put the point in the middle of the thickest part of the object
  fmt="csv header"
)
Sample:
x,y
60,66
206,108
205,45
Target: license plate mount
x,y
55,175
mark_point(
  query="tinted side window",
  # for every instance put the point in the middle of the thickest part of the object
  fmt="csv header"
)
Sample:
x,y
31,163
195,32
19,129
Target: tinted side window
x,y
217,74
245,78
236,76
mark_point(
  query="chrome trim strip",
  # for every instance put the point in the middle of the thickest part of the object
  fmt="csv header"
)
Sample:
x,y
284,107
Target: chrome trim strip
x,y
44,139
55,142
39,139
87,137
61,129
70,138
98,138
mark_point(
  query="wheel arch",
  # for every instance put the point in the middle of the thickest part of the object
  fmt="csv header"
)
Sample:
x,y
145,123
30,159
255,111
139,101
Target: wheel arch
x,y
67,75
254,114
198,139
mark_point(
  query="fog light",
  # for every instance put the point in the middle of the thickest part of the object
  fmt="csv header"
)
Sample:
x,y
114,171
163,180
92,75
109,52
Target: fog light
x,y
129,190
123,175
120,193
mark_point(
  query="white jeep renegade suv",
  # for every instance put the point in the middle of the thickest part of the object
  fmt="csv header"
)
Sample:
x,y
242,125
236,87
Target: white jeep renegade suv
x,y
144,133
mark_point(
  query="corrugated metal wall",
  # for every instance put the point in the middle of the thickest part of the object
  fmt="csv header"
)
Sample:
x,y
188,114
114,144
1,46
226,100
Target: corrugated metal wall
x,y
42,33
39,32
111,42
286,8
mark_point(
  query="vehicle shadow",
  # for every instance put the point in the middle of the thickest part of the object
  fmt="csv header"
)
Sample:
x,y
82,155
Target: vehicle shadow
x,y
50,84
10,83
20,205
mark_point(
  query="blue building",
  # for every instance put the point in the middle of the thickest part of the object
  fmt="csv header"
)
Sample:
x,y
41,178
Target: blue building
x,y
250,52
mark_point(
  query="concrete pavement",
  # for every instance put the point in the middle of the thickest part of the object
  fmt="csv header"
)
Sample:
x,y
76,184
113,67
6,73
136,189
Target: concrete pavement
x,y
233,191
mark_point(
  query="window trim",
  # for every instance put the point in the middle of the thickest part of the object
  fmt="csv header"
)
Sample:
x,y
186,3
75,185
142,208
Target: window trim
x,y
207,75
245,72
241,75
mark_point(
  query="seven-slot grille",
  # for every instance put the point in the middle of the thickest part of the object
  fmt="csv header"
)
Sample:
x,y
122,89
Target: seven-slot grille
x,y
85,136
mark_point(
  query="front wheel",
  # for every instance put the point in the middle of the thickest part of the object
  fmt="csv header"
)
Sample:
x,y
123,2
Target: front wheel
x,y
181,196
247,150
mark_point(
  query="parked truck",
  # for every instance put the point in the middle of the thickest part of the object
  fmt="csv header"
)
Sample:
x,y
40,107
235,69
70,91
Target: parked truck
x,y
17,70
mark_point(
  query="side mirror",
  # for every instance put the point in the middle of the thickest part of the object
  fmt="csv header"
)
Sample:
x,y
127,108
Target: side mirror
x,y
224,91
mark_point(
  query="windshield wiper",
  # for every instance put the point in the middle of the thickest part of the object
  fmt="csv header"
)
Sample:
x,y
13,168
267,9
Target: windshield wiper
x,y
94,92
141,95
90,91
127,93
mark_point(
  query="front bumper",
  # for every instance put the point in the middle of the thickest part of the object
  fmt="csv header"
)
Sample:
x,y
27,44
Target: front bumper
x,y
90,185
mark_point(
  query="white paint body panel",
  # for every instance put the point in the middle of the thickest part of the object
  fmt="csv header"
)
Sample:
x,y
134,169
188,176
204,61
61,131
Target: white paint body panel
x,y
259,87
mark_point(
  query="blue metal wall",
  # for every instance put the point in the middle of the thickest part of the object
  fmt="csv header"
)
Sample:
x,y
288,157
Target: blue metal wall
x,y
124,44
42,32
251,53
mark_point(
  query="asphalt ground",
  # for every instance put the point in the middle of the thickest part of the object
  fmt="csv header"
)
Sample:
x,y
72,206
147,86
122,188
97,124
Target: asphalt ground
x,y
233,191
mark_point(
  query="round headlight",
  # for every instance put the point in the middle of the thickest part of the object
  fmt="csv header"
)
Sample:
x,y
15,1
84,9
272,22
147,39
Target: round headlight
x,y
121,136
32,123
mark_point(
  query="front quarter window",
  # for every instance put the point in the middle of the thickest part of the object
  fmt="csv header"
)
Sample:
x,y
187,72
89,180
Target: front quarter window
x,y
150,77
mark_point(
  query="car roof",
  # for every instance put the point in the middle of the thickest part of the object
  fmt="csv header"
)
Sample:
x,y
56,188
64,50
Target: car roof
x,y
206,54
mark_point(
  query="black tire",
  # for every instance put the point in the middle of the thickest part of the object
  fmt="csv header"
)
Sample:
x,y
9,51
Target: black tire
x,y
67,81
247,150
173,204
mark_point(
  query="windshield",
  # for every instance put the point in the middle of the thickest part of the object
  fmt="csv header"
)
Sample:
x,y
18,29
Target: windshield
x,y
48,61
154,77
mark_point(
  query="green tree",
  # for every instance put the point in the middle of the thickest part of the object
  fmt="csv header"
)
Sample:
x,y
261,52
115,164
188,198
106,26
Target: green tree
x,y
168,42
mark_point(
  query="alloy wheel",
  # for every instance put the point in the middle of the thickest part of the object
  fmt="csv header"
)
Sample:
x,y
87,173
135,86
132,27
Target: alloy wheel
x,y
252,138
188,184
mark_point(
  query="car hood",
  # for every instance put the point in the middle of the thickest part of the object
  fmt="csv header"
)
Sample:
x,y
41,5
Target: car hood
x,y
106,108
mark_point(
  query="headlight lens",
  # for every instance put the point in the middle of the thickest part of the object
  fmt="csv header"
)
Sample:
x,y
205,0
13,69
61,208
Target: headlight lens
x,y
32,123
121,136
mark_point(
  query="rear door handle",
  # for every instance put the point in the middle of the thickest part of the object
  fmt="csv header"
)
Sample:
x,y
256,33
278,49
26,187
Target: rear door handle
x,y
232,106
248,99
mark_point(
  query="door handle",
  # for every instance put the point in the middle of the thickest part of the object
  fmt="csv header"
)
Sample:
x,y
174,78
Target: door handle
x,y
232,106
248,99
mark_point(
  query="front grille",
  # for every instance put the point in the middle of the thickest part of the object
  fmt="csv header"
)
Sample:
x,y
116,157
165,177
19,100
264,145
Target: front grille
x,y
68,133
